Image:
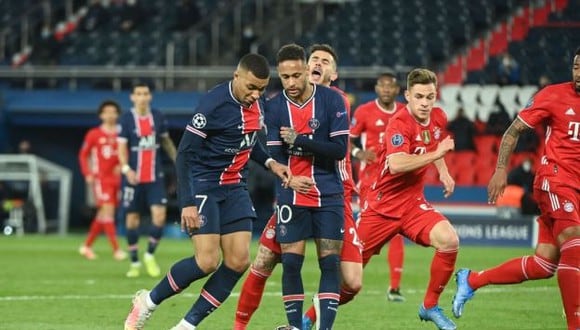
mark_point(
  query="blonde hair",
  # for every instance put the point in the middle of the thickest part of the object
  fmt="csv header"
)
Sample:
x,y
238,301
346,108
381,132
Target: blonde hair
x,y
421,76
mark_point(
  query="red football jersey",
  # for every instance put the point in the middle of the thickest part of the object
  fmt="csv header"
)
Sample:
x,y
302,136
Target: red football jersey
x,y
98,155
345,165
558,107
369,123
404,134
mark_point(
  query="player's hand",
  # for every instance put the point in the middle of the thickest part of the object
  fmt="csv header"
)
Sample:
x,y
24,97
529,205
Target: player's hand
x,y
446,145
189,219
282,171
288,134
132,177
448,184
369,156
496,185
301,184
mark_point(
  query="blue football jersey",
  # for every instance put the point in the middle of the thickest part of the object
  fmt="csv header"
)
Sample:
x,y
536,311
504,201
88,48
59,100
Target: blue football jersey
x,y
322,119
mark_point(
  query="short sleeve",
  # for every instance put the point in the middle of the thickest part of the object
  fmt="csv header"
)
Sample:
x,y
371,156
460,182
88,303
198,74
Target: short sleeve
x,y
357,125
537,108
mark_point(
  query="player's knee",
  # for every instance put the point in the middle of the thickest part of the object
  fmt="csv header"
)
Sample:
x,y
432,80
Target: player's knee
x,y
239,264
352,284
329,263
538,267
447,240
208,263
292,262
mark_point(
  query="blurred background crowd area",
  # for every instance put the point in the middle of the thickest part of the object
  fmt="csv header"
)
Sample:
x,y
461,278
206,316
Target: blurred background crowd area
x,y
60,58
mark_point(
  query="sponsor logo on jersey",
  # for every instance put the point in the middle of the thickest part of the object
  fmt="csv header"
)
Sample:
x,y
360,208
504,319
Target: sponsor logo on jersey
x,y
397,140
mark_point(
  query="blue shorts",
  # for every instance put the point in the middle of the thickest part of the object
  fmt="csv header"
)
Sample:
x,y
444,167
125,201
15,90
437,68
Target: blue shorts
x,y
140,197
297,223
224,210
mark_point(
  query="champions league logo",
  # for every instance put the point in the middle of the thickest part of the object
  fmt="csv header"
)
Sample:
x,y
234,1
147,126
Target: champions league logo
x,y
198,121
313,123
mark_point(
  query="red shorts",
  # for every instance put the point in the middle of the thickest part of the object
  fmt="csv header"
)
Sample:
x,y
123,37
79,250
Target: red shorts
x,y
351,247
559,206
545,235
375,230
106,191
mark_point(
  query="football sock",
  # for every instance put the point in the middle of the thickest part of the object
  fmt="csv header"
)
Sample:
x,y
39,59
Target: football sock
x,y
132,240
94,231
155,233
251,295
569,281
215,291
311,314
441,271
346,295
292,287
395,257
513,271
111,232
329,288
179,277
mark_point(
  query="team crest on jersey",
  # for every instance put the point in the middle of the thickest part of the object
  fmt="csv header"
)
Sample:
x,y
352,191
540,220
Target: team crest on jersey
x,y
397,140
199,120
568,207
437,133
426,136
313,123
283,230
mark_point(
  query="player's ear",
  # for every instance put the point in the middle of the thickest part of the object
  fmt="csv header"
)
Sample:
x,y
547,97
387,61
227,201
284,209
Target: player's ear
x,y
407,95
236,74
333,77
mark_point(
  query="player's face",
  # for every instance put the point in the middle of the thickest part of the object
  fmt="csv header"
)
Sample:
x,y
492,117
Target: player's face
x,y
576,73
247,87
141,97
109,115
294,77
322,68
387,89
420,98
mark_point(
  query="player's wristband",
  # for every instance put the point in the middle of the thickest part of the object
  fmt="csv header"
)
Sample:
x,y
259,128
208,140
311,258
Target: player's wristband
x,y
125,169
268,162
354,151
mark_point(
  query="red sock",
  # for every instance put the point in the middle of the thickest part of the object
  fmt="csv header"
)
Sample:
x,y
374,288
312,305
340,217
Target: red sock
x,y
569,281
111,232
311,314
514,271
395,258
250,297
346,296
442,268
94,231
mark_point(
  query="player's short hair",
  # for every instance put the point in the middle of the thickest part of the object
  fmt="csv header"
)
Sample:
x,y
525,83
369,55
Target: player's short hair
x,y
109,103
140,84
387,75
291,52
577,51
325,48
256,64
421,76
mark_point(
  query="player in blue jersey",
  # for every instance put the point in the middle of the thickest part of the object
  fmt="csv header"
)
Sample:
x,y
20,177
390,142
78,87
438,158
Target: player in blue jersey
x,y
143,132
216,208
308,131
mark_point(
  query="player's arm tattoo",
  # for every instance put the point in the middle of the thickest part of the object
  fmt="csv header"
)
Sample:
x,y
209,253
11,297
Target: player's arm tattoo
x,y
509,141
266,260
328,246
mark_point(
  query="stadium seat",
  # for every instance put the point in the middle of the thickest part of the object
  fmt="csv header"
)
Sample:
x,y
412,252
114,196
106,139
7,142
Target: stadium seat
x,y
449,93
488,94
526,93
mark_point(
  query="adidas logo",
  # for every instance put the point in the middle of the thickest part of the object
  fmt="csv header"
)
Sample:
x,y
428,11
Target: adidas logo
x,y
418,138
380,122
570,112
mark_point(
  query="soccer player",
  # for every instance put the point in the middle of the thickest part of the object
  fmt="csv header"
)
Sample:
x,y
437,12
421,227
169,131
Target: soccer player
x,y
143,130
308,130
557,190
216,207
414,138
323,71
366,137
100,167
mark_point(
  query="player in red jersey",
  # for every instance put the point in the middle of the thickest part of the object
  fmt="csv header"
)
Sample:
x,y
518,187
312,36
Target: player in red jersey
x,y
557,190
100,167
366,136
395,203
323,71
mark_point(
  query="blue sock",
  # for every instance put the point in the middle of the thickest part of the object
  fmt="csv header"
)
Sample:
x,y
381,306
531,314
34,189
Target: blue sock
x,y
179,277
155,233
132,241
329,290
215,291
292,287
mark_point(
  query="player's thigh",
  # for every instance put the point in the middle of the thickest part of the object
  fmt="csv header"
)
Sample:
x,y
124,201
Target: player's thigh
x,y
419,220
375,230
236,250
131,197
294,224
236,210
207,251
351,274
560,210
351,246
156,194
328,222
547,246
208,208
268,237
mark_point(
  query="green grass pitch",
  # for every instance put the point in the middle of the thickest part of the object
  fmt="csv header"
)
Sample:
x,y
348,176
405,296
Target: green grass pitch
x,y
45,284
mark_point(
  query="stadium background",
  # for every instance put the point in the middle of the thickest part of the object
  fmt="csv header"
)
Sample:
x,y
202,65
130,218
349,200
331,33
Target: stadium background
x,y
56,68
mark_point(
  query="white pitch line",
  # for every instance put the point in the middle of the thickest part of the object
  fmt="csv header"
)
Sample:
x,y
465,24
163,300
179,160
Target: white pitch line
x,y
497,289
